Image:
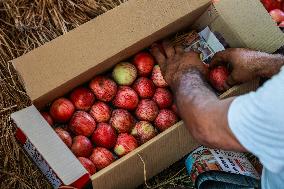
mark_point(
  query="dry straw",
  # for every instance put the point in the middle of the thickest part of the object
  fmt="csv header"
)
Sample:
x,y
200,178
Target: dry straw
x,y
25,25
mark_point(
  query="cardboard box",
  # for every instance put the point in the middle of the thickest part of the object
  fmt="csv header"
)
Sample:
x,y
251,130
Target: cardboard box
x,y
57,67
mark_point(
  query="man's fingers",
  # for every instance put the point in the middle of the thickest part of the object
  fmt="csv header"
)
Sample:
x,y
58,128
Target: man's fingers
x,y
169,49
220,58
179,49
158,55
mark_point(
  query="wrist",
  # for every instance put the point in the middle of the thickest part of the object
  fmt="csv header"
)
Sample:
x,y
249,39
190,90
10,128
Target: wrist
x,y
191,75
190,85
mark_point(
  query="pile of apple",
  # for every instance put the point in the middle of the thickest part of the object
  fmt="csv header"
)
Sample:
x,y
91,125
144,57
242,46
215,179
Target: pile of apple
x,y
113,115
276,10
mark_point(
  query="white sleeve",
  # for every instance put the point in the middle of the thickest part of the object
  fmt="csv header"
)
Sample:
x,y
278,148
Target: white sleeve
x,y
257,121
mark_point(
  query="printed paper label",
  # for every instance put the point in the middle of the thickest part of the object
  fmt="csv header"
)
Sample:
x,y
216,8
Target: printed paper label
x,y
205,42
42,164
234,162
204,159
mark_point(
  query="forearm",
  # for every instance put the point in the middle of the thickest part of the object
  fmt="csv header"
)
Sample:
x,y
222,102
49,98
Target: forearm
x,y
193,97
203,113
269,64
193,92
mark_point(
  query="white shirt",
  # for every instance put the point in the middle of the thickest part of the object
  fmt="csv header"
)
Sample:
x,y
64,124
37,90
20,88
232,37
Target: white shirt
x,y
257,121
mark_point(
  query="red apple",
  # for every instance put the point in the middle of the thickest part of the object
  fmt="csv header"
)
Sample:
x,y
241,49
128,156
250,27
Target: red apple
x,y
125,144
101,157
271,4
47,117
143,131
62,110
175,109
122,121
147,110
277,15
104,88
88,164
82,123
66,128
218,77
65,136
82,146
126,98
101,112
158,78
124,73
83,98
104,136
163,97
165,119
144,87
144,63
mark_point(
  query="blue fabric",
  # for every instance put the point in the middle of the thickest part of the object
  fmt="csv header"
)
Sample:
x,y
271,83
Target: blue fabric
x,y
222,180
257,121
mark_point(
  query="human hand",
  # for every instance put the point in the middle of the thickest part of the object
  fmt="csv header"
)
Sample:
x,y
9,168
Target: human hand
x,y
244,64
174,62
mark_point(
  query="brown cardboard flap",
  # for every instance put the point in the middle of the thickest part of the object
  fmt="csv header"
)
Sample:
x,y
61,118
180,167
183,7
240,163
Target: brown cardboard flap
x,y
252,25
60,65
156,155
49,145
218,25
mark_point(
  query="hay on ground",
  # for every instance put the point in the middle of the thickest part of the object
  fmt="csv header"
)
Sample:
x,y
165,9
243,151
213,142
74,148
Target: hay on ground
x,y
25,25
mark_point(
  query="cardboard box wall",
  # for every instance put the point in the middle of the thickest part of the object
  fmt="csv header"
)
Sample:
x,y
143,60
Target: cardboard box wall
x,y
57,67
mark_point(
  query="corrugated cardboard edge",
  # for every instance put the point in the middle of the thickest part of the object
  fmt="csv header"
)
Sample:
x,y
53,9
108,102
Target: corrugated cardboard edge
x,y
47,143
256,30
